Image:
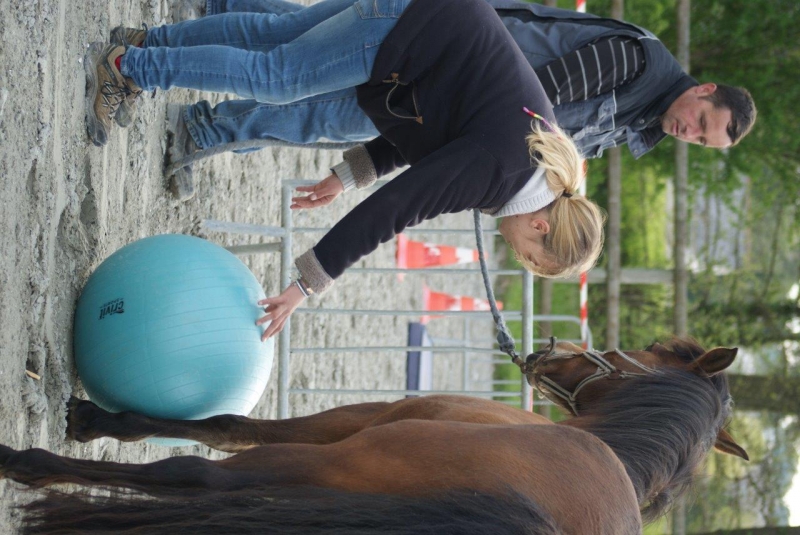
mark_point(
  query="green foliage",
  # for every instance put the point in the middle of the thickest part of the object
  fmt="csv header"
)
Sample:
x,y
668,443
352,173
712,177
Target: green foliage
x,y
659,527
733,494
644,209
749,43
749,305
754,44
741,317
645,311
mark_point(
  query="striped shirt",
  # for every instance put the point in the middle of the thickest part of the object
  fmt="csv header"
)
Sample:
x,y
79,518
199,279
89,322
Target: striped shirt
x,y
592,70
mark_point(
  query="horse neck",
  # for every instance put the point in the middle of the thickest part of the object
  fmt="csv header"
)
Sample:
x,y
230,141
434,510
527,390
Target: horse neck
x,y
661,427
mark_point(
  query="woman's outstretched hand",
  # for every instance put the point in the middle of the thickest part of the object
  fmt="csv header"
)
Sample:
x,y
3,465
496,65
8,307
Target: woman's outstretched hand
x,y
278,309
321,194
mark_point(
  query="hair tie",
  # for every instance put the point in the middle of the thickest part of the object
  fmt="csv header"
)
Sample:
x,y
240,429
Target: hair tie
x,y
537,116
566,195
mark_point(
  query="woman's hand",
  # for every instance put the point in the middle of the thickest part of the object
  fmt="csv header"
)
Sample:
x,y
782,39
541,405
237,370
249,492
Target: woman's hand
x,y
321,194
279,309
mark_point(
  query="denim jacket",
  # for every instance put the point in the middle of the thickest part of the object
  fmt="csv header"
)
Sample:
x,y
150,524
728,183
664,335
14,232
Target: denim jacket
x,y
630,114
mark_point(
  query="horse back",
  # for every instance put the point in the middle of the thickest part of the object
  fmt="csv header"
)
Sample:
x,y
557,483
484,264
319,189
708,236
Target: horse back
x,y
571,474
457,409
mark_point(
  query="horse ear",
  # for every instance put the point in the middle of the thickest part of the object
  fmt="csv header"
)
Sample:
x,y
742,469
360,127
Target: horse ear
x,y
726,444
713,362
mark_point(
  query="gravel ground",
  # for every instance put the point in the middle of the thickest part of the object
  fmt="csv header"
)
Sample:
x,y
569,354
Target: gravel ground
x,y
66,205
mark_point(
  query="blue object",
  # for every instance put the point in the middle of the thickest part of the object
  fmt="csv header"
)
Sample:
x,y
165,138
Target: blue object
x,y
324,48
419,364
166,327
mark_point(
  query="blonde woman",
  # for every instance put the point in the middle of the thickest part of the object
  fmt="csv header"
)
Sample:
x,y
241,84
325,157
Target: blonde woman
x,y
444,84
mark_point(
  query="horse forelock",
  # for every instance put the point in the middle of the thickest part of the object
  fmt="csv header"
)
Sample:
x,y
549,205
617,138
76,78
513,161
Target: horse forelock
x,y
661,427
686,348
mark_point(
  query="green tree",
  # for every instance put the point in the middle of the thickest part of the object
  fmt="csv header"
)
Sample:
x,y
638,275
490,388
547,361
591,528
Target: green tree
x,y
779,393
754,44
756,531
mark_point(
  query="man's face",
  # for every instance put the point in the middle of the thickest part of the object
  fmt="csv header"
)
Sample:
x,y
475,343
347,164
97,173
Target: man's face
x,y
694,119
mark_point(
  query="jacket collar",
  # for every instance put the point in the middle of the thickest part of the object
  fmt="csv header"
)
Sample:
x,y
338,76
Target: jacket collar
x,y
533,196
648,124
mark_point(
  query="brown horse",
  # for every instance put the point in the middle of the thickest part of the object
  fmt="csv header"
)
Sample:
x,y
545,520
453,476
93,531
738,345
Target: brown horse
x,y
453,464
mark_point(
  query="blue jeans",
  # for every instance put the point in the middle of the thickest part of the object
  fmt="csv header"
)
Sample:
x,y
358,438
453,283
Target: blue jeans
x,y
316,55
278,7
333,117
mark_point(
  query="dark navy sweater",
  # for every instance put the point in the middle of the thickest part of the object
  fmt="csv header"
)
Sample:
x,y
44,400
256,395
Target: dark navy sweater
x,y
446,93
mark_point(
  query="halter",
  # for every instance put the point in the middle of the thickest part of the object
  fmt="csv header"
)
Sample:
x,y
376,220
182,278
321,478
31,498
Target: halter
x,y
604,370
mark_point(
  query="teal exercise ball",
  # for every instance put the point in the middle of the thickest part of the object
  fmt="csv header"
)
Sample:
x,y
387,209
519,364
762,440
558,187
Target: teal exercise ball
x,y
166,327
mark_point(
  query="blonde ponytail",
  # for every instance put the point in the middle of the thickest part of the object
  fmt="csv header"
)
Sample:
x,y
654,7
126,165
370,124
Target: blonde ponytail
x,y
555,152
575,239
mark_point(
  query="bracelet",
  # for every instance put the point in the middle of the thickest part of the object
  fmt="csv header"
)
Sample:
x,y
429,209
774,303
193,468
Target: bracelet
x,y
305,285
300,286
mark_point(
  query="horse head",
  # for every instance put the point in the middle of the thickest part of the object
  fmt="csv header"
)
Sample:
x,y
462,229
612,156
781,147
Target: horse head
x,y
572,377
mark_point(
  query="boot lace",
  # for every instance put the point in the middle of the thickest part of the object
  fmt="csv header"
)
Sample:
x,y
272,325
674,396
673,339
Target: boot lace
x,y
113,95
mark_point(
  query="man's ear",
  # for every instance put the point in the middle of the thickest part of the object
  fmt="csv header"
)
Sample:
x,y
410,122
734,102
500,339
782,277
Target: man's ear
x,y
707,89
540,225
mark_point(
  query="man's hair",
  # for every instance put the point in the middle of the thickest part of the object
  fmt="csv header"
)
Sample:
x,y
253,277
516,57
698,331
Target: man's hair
x,y
743,109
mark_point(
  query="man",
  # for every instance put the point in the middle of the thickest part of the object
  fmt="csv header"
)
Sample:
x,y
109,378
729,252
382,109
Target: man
x,y
611,83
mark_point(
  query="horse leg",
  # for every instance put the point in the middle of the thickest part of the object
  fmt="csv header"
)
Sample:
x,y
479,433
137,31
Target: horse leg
x,y
396,458
40,468
86,421
264,466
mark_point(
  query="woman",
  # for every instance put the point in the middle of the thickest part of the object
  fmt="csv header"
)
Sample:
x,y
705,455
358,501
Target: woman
x,y
444,84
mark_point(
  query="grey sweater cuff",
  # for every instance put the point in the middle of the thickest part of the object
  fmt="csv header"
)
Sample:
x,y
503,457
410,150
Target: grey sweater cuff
x,y
345,174
312,272
361,167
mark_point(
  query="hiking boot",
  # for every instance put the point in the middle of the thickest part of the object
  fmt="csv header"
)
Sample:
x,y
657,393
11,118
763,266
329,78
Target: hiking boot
x,y
187,9
127,37
181,181
106,88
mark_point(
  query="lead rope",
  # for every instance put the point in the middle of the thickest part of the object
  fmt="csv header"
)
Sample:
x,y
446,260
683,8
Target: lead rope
x,y
504,338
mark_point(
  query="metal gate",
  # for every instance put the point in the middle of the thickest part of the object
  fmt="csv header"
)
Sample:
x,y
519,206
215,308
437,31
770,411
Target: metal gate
x,y
473,350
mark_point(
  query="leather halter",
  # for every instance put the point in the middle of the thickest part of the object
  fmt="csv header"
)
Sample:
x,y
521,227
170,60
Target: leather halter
x,y
604,370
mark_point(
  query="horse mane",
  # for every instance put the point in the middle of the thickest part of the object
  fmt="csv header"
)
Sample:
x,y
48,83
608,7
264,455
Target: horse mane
x,y
661,426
